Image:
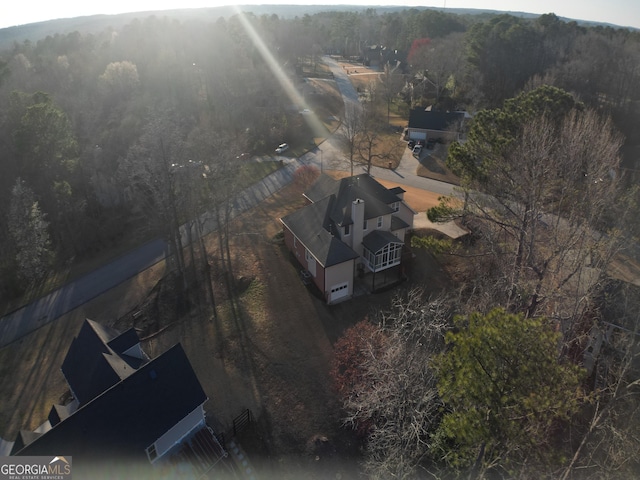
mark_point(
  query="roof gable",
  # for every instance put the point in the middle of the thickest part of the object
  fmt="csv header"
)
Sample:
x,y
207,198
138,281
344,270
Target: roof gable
x,y
378,239
376,198
129,416
311,225
91,366
322,188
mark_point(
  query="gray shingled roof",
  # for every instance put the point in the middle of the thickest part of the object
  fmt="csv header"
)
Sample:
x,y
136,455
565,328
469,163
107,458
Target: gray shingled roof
x,y
311,226
397,223
378,239
322,188
315,225
377,198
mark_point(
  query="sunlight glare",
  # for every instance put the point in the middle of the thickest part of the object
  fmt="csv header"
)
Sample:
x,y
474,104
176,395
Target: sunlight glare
x,y
312,120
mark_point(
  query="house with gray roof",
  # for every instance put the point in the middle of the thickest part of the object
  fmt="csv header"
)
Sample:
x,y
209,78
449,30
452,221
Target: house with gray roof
x,y
129,410
351,228
425,124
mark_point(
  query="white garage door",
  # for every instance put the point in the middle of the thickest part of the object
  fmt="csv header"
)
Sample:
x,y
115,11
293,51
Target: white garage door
x,y
415,135
338,291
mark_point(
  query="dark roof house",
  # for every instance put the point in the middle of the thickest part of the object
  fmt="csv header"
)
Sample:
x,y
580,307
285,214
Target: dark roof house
x,y
142,410
425,124
98,358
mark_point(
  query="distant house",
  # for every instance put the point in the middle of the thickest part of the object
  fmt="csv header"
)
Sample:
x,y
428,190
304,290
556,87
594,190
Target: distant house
x,y
126,408
426,124
352,228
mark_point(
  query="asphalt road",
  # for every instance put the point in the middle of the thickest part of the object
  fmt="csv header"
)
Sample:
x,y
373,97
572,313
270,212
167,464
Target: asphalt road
x,y
76,293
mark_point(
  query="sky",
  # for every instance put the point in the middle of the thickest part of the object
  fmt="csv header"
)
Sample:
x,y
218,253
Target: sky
x,y
618,12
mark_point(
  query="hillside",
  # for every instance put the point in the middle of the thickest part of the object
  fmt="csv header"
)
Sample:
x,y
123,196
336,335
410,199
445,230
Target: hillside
x,y
96,23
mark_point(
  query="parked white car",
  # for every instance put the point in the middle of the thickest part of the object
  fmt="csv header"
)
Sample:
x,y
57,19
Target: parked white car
x,y
283,147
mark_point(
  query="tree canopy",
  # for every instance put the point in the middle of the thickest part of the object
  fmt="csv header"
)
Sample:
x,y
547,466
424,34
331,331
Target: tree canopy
x,y
504,390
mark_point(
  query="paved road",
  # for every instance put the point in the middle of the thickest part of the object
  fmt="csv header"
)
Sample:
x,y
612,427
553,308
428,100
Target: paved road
x,y
76,293
50,307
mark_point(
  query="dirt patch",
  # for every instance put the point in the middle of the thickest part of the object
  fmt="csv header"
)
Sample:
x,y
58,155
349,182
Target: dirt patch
x,y
272,356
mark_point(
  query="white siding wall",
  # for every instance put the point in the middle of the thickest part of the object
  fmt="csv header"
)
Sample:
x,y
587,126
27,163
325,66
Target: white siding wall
x,y
400,234
406,214
180,430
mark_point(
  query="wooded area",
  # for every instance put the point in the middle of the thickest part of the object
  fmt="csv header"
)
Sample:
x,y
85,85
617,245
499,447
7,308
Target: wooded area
x,y
528,367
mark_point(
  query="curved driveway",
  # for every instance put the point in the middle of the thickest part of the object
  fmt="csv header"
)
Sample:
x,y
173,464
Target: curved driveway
x,y
68,297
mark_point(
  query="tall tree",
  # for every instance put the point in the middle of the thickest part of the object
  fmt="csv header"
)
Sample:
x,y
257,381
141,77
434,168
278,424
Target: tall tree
x,y
28,228
546,171
47,156
503,53
351,129
150,174
390,85
439,66
504,391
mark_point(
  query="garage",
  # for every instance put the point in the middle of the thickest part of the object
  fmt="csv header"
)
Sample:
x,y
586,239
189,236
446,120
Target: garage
x,y
417,135
338,291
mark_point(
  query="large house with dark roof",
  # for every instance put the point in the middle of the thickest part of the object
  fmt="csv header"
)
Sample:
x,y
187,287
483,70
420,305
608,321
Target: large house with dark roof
x,y
352,227
425,124
126,407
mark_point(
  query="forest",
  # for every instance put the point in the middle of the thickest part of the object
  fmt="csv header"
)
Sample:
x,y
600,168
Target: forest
x,y
103,134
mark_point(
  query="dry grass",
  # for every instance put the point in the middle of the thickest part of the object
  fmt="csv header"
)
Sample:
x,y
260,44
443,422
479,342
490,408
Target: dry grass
x,y
273,358
30,367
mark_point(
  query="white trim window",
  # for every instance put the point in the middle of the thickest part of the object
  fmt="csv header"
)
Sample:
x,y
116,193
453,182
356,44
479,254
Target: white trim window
x,y
387,257
379,222
151,452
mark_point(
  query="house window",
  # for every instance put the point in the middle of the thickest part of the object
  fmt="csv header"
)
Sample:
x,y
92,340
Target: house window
x,y
395,206
364,225
389,256
379,222
151,452
347,230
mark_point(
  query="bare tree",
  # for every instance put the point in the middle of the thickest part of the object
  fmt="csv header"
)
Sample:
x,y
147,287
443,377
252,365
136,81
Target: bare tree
x,y
439,65
390,85
352,126
149,175
546,193
396,396
608,445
